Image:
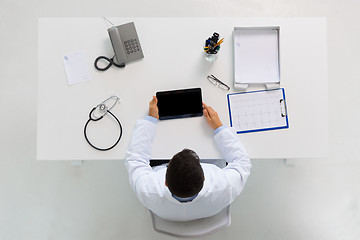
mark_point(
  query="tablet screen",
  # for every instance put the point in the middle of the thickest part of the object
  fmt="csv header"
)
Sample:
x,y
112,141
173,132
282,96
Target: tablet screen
x,y
180,103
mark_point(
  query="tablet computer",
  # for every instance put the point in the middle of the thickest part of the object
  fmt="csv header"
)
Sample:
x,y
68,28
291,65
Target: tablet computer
x,y
181,103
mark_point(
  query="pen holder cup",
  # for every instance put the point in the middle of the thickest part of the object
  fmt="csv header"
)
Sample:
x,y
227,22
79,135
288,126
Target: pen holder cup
x,y
210,56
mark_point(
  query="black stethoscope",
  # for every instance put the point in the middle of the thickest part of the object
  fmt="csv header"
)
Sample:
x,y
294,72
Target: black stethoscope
x,y
102,109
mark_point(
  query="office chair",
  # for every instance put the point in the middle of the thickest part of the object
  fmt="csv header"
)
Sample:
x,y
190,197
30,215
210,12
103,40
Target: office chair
x,y
198,227
194,228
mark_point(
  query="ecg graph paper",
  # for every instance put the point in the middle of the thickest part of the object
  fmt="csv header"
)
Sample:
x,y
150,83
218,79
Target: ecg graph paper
x,y
258,110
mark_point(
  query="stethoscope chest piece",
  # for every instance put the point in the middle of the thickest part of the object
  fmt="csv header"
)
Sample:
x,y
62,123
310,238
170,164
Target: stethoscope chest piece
x,y
97,113
102,107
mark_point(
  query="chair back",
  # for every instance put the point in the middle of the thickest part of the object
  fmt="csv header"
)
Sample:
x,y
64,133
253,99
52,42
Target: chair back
x,y
193,228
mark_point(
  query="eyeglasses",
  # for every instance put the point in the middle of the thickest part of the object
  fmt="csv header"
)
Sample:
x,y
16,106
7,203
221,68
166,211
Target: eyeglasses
x,y
214,80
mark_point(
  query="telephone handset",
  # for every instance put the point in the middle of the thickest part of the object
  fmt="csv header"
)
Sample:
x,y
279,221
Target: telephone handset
x,y
126,45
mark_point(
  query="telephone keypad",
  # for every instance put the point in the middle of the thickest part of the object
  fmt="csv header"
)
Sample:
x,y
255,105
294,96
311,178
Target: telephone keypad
x,y
131,46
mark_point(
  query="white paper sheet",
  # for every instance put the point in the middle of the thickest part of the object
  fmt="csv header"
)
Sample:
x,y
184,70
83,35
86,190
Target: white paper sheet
x,y
256,53
76,68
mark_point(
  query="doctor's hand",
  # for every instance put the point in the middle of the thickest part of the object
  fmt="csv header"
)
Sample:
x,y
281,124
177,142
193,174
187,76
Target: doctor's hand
x,y
153,108
212,117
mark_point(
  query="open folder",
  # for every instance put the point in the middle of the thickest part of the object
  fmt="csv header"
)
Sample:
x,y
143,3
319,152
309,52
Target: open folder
x,y
258,110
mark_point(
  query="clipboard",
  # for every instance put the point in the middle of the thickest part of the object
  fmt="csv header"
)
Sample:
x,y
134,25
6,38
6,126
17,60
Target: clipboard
x,y
258,110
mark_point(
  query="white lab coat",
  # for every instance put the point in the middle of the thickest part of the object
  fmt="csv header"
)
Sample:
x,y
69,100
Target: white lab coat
x,y
221,186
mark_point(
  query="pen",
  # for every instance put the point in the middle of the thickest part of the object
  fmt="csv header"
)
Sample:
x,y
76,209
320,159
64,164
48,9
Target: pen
x,y
212,44
220,42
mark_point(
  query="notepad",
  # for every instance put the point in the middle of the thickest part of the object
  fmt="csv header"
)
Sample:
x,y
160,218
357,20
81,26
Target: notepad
x,y
76,68
258,110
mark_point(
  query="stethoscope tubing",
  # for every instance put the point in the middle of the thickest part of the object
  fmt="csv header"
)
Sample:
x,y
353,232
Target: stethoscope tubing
x,y
97,119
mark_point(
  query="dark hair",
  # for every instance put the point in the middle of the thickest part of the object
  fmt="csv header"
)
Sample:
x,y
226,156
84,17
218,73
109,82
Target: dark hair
x,y
184,175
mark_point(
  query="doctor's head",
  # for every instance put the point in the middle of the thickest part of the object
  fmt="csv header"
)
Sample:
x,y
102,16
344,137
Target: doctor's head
x,y
184,175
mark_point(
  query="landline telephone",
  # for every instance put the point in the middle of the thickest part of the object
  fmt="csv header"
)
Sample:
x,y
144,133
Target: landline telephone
x,y
126,45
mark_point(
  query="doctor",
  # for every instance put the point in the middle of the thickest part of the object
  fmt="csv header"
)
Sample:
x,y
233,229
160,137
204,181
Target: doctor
x,y
186,189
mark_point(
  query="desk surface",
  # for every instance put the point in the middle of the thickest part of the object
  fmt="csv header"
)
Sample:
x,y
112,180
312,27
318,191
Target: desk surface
x,y
173,60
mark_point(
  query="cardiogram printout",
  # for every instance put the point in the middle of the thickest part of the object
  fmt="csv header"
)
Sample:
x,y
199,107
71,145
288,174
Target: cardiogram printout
x,y
258,110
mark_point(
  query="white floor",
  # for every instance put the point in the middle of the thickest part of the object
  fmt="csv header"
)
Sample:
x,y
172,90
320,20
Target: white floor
x,y
301,199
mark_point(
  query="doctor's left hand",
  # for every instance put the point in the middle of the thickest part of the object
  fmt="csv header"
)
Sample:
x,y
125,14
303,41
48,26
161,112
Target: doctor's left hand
x,y
153,108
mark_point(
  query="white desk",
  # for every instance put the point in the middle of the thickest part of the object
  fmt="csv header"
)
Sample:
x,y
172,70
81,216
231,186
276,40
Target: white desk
x,y
173,59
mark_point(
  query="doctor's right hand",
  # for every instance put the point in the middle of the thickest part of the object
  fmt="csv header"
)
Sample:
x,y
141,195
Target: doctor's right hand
x,y
212,117
153,108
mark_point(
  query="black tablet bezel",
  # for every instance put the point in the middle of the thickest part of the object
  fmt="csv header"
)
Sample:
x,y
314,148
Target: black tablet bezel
x,y
160,96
